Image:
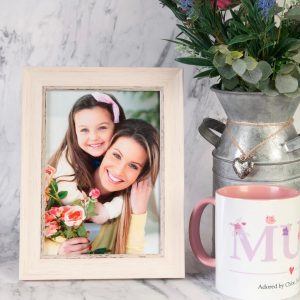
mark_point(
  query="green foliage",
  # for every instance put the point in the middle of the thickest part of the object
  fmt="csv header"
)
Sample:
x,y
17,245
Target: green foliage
x,y
245,48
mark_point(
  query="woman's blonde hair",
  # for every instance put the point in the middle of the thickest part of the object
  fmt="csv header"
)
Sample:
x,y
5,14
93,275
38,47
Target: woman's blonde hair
x,y
147,136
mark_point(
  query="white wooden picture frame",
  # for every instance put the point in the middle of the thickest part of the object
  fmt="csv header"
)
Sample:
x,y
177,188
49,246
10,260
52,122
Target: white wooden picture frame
x,y
169,261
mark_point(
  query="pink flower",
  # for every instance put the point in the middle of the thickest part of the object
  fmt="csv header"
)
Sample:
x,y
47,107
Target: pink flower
x,y
74,216
50,171
270,219
94,193
51,228
222,4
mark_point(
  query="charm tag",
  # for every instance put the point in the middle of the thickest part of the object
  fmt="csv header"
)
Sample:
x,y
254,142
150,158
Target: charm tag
x,y
243,166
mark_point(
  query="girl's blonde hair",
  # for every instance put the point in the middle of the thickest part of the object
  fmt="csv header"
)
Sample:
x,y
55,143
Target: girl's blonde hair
x,y
81,162
147,136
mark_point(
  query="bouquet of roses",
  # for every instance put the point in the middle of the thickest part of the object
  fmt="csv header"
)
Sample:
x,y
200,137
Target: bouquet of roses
x,y
66,222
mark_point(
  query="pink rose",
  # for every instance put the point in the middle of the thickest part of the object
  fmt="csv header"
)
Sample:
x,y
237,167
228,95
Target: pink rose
x,y
74,216
94,193
55,211
49,218
51,228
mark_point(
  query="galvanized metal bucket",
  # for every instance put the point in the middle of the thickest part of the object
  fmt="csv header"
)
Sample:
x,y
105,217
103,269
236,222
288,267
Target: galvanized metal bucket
x,y
253,118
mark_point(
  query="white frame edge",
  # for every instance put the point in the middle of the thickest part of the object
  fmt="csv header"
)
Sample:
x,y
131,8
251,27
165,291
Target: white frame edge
x,y
170,263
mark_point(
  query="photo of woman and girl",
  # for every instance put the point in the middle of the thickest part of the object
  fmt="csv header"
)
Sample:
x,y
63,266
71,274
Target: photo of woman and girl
x,y
117,156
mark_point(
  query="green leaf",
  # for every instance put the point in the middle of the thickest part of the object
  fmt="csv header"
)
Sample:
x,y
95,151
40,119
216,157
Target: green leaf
x,y
69,233
264,84
251,63
239,66
295,94
241,39
286,84
252,76
62,194
195,61
231,84
228,59
286,69
54,185
270,92
236,54
203,74
265,69
219,60
295,46
223,49
293,13
296,57
77,202
98,251
90,209
52,203
226,72
81,231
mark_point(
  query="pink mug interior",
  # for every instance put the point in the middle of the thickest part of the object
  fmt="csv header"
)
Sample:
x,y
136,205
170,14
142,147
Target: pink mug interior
x,y
257,192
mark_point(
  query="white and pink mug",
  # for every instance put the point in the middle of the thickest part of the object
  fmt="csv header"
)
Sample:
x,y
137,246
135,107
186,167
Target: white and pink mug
x,y
257,239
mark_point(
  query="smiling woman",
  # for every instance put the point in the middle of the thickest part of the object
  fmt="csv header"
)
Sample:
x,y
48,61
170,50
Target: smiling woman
x,y
121,165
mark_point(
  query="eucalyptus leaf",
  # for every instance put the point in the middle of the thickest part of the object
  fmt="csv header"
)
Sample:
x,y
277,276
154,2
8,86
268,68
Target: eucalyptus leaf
x,y
231,84
252,76
236,54
219,60
226,72
295,94
263,84
251,63
228,59
286,84
223,49
286,69
270,92
239,66
296,57
293,13
265,69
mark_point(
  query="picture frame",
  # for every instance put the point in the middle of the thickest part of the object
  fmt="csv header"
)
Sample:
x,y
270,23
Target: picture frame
x,y
38,84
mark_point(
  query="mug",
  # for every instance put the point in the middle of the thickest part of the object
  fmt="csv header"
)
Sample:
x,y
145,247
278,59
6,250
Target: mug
x,y
257,236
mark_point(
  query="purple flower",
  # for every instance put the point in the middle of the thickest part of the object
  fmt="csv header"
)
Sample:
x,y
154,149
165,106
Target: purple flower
x,y
186,5
285,231
265,6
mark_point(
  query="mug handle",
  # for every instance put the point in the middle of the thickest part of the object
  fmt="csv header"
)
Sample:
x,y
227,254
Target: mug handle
x,y
194,233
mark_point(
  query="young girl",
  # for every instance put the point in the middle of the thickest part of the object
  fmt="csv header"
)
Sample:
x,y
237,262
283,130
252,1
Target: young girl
x,y
92,121
129,169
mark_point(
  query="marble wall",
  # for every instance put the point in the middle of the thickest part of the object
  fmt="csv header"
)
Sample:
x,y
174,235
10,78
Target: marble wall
x,y
110,33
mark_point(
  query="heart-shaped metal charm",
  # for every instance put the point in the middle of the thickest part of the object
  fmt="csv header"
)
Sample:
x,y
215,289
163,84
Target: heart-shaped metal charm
x,y
243,166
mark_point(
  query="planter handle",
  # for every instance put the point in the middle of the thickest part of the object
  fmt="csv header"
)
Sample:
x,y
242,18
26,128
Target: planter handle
x,y
293,144
205,129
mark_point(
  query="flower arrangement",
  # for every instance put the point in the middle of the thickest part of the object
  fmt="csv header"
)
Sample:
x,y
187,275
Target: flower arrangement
x,y
66,222
249,45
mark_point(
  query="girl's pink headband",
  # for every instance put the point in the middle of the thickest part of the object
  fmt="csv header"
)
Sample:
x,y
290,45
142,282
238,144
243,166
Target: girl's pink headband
x,y
106,99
